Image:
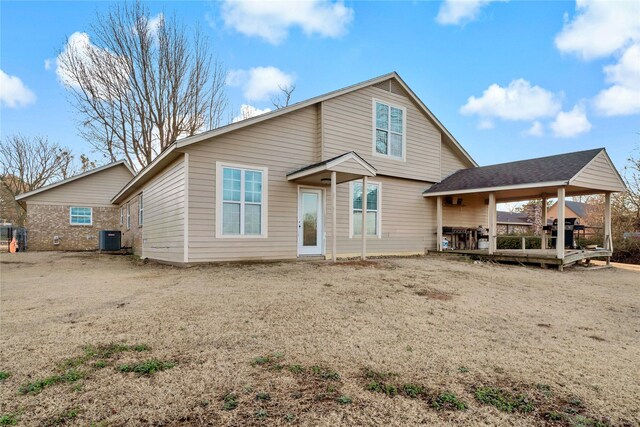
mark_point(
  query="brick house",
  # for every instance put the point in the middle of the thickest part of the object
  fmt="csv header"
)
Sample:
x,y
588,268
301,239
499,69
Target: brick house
x,y
69,214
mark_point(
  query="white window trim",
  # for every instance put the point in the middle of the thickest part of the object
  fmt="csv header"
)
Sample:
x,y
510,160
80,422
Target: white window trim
x,y
80,225
128,216
264,214
140,210
404,131
379,219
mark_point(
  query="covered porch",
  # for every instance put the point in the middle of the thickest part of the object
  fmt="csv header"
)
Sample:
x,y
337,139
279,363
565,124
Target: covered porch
x,y
330,173
573,174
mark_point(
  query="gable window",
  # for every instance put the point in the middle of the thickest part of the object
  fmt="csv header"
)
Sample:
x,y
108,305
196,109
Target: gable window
x,y
373,209
80,216
389,137
128,216
242,198
140,210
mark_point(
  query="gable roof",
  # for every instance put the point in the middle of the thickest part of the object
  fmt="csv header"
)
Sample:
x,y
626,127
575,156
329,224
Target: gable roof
x,y
550,170
170,151
329,95
74,178
335,161
505,217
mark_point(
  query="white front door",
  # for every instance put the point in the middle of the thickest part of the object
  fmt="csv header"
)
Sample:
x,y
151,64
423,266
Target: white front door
x,y
310,221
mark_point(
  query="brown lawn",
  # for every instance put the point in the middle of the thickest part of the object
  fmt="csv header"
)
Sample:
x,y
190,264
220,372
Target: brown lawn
x,y
310,343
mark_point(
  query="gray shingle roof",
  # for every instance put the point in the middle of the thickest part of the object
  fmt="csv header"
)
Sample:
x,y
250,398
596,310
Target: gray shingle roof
x,y
578,207
513,218
561,167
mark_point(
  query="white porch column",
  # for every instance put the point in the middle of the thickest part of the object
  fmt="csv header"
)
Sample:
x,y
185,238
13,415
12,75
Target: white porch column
x,y
560,233
492,223
439,223
364,218
334,239
543,236
608,239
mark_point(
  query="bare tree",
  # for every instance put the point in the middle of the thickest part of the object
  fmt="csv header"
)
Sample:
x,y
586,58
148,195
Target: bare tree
x,y
142,83
283,99
26,165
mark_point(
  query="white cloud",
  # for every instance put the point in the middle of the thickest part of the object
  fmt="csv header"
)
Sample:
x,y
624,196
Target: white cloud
x,y
623,97
47,63
154,23
81,48
271,20
600,28
485,124
571,123
260,83
248,111
14,93
455,12
518,101
536,129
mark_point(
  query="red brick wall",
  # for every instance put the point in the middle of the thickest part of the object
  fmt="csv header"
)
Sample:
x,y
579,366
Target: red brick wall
x,y
44,222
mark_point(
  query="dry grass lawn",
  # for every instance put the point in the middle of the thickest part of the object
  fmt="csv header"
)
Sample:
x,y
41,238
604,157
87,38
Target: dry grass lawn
x,y
310,343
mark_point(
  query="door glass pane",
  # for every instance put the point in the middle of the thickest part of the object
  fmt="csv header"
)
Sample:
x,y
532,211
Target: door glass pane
x,y
231,218
309,219
252,219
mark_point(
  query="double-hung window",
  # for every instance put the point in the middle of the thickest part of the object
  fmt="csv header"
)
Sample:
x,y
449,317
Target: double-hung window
x,y
243,199
373,209
128,215
80,216
389,137
121,215
140,210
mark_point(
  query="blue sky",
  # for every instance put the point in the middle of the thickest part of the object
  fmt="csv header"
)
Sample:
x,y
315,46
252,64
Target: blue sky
x,y
510,80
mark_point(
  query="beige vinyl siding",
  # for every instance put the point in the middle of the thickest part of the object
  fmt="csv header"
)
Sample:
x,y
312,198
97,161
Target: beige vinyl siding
x,y
472,213
599,174
407,219
164,214
92,190
451,162
348,125
281,145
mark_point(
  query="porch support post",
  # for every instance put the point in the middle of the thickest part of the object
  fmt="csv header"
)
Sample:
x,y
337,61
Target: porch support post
x,y
560,233
608,239
364,218
439,223
543,236
492,223
334,239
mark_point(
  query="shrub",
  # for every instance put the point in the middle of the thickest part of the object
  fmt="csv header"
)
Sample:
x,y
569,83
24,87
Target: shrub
x,y
449,401
503,400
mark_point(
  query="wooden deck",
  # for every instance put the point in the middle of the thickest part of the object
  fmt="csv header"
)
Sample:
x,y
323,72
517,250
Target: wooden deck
x,y
544,257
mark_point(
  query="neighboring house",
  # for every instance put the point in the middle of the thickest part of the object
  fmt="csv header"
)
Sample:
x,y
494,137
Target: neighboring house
x,y
514,222
571,210
289,183
69,214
